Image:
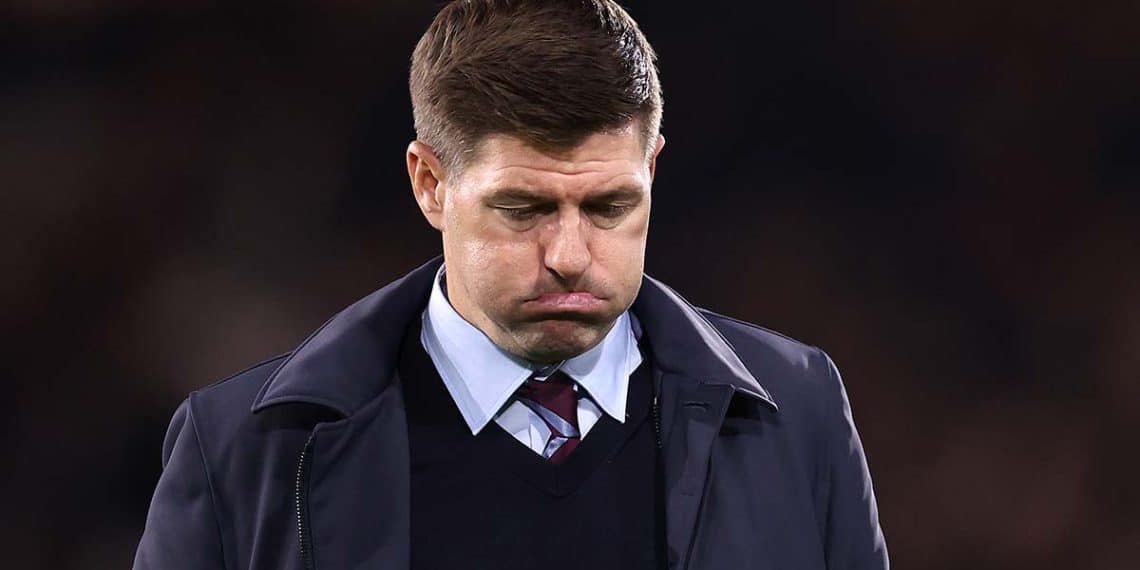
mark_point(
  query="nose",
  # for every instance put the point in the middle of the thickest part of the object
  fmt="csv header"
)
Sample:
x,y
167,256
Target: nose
x,y
567,251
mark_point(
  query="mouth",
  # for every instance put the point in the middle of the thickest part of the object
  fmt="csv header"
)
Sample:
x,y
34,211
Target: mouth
x,y
571,302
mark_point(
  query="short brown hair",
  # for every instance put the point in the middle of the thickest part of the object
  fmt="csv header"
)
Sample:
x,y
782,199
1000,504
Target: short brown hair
x,y
550,72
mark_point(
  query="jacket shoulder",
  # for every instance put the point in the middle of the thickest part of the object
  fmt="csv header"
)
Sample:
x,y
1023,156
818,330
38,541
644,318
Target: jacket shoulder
x,y
755,336
223,406
240,388
797,374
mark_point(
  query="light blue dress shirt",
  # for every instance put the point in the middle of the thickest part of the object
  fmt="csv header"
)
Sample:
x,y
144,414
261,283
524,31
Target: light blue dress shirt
x,y
482,378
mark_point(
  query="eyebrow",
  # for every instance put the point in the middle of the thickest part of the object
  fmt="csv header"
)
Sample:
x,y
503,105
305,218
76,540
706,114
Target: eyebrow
x,y
524,195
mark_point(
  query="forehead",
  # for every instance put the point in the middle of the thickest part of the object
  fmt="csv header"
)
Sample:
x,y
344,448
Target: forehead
x,y
603,159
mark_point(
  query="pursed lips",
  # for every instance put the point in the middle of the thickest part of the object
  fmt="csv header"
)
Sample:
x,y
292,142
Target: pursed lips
x,y
570,300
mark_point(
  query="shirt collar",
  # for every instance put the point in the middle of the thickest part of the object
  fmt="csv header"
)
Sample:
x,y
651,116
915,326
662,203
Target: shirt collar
x,y
482,377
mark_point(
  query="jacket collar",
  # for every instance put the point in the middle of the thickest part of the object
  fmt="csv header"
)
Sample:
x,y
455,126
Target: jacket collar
x,y
351,359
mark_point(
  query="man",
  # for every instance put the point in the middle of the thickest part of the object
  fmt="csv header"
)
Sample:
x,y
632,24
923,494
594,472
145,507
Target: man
x,y
532,400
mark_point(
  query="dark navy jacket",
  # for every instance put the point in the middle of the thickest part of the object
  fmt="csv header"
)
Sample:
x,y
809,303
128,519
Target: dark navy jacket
x,y
302,461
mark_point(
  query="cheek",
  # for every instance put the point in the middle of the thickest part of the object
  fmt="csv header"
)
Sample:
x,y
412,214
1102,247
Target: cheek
x,y
498,264
469,235
620,256
625,245
498,252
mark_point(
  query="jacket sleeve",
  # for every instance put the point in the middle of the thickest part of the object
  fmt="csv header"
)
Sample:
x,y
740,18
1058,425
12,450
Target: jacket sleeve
x,y
181,531
853,538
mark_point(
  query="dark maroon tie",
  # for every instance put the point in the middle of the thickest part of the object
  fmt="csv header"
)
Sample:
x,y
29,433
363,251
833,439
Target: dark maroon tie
x,y
556,402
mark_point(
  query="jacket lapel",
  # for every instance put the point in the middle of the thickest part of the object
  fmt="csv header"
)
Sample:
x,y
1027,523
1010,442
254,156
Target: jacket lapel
x,y
700,374
351,499
359,507
698,410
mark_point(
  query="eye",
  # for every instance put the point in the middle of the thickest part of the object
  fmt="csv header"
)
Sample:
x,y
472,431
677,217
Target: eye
x,y
611,211
521,213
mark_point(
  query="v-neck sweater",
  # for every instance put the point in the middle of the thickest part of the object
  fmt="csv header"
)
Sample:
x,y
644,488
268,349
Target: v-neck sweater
x,y
488,501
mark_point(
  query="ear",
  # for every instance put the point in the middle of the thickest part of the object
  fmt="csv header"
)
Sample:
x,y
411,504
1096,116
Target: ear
x,y
426,174
653,159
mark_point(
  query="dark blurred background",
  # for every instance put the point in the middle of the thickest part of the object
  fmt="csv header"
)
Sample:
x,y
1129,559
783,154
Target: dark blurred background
x,y
943,195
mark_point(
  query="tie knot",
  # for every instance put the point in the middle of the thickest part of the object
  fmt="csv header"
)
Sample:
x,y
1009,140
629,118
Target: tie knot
x,y
556,393
553,387
556,402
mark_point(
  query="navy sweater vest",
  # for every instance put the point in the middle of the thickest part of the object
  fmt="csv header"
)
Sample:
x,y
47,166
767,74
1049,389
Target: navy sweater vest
x,y
489,501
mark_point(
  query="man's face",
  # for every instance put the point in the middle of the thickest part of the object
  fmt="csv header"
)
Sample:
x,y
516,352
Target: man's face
x,y
545,251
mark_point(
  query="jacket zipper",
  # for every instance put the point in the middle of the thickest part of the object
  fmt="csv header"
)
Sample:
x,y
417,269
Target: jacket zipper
x,y
662,550
301,499
657,421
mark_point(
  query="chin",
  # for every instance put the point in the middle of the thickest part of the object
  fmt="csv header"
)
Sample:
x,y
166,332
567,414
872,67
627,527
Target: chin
x,y
552,341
